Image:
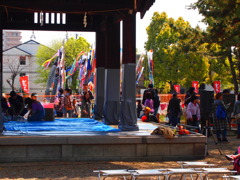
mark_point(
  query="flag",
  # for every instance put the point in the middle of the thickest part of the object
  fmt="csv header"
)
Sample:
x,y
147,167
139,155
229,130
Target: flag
x,y
139,75
74,65
195,85
150,66
177,88
24,84
217,86
47,62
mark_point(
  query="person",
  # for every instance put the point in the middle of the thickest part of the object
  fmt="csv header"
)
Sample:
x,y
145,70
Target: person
x,y
37,111
154,97
156,102
149,102
139,108
229,98
67,105
58,103
236,160
220,124
193,112
189,94
149,90
16,104
147,116
173,110
85,89
236,113
86,105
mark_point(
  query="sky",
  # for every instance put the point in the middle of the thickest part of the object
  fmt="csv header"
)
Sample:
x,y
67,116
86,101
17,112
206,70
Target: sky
x,y
173,8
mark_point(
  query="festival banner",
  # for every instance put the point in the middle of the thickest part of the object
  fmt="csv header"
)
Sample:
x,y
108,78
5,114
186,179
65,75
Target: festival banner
x,y
24,84
139,75
47,62
217,86
150,66
195,85
177,88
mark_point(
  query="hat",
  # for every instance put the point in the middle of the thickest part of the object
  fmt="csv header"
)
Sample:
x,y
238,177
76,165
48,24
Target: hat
x,y
34,94
147,108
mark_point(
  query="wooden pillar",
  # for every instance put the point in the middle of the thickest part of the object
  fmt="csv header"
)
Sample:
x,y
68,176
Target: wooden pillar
x,y
128,116
100,75
112,73
1,71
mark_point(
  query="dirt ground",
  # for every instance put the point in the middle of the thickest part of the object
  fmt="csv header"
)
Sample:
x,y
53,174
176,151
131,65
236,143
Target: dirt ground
x,y
84,170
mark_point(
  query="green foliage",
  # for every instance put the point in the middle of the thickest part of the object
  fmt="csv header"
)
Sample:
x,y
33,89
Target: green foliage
x,y
72,47
175,45
223,20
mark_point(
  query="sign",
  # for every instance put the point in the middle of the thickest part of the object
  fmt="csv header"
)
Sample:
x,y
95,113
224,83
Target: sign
x,y
24,84
217,86
195,85
177,88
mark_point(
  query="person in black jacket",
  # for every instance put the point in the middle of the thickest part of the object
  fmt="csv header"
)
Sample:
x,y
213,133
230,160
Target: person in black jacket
x,y
174,110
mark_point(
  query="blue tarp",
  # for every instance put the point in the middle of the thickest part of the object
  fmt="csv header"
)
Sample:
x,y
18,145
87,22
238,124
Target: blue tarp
x,y
67,124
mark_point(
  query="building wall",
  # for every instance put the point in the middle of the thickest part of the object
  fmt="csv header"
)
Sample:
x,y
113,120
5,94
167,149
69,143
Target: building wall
x,y
11,38
11,58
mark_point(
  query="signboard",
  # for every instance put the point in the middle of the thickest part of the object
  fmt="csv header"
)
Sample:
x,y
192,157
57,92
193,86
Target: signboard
x,y
24,84
195,85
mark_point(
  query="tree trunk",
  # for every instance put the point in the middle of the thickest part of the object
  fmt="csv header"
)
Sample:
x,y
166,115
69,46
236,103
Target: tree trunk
x,y
172,90
233,72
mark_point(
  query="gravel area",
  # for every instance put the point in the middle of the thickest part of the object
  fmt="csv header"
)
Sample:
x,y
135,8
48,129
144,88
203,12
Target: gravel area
x,y
84,170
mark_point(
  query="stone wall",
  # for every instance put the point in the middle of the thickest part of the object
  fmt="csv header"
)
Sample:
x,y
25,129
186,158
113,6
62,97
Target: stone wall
x,y
100,148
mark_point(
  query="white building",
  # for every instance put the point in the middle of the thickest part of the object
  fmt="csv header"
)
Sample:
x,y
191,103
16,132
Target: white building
x,y
22,56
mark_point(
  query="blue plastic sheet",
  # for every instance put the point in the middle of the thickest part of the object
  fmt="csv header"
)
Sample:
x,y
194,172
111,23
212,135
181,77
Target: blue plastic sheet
x,y
67,124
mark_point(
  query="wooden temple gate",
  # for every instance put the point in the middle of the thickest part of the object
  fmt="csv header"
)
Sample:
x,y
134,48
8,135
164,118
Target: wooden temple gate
x,y
103,17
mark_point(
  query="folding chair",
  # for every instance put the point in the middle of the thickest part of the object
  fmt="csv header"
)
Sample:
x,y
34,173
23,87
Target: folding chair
x,y
183,173
186,164
113,173
215,171
148,172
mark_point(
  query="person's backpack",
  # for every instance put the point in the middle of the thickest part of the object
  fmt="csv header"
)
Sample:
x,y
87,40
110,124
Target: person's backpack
x,y
220,112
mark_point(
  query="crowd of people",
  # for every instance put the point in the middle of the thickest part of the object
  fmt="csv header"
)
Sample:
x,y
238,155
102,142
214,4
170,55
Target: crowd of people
x,y
219,118
17,108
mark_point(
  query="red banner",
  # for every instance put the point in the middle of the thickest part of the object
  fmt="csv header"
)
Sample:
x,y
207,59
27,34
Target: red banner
x,y
24,83
195,85
217,86
177,88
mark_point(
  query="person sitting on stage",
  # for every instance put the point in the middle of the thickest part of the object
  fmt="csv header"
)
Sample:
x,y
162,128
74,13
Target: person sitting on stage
x,y
149,102
37,111
86,105
16,104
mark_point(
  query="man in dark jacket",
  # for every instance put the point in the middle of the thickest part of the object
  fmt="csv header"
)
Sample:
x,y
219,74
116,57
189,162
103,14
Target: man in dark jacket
x,y
16,104
174,110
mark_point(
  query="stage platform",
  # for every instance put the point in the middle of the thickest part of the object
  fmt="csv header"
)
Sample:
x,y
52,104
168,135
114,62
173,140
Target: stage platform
x,y
19,146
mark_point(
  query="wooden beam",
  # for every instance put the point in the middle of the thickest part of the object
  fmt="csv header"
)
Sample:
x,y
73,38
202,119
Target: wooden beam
x,y
25,21
68,6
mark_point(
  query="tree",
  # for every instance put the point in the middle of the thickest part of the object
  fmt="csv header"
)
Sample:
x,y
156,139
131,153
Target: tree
x,y
175,45
72,47
15,69
223,20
